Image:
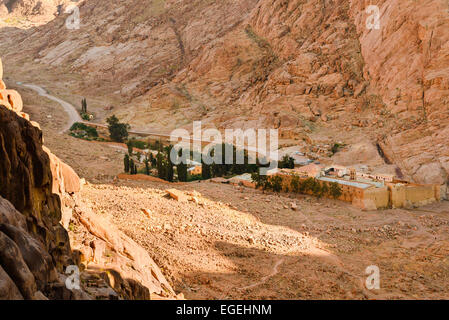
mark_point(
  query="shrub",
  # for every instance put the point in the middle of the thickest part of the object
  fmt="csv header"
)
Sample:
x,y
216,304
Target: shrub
x,y
335,148
80,130
324,189
295,184
287,162
276,183
335,190
138,144
117,131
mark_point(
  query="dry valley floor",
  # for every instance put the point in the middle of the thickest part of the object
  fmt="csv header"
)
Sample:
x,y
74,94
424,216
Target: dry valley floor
x,y
239,243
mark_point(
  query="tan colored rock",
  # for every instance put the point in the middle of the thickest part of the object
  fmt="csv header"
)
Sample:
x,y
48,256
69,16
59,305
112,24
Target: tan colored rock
x,y
294,206
99,248
135,267
66,216
65,178
14,99
32,262
177,195
147,212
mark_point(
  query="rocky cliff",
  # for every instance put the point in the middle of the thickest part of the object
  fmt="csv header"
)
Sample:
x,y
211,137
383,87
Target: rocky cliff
x,y
31,9
308,67
45,227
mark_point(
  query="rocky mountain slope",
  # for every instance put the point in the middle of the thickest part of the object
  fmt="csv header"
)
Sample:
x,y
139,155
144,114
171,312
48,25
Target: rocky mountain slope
x,y
308,67
37,10
45,227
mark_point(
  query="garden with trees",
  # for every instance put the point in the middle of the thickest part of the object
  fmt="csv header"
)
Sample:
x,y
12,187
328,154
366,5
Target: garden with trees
x,y
311,186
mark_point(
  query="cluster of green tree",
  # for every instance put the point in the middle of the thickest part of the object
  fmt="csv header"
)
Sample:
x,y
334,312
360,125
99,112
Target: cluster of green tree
x,y
139,144
131,167
82,131
219,167
161,162
310,185
157,145
166,168
286,162
117,131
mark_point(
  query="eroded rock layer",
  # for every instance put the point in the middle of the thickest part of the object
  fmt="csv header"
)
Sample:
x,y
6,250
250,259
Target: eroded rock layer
x,y
38,201
307,67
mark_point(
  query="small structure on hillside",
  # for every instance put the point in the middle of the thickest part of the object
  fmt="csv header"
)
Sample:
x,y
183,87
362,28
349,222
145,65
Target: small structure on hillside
x,y
312,170
336,170
195,170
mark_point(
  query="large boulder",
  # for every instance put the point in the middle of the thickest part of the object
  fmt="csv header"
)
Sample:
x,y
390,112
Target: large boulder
x,y
34,254
8,289
11,98
65,178
12,262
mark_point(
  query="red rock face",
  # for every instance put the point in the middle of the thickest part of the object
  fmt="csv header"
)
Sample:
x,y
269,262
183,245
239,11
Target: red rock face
x,y
407,65
37,200
268,63
26,180
29,8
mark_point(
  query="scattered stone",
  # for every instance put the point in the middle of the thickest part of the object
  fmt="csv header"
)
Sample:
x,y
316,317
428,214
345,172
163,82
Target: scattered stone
x,y
177,195
194,199
147,212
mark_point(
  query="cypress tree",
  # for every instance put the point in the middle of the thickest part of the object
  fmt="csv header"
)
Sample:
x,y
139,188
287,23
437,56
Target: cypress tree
x,y
182,169
131,166
147,166
126,163
160,165
205,170
83,105
169,172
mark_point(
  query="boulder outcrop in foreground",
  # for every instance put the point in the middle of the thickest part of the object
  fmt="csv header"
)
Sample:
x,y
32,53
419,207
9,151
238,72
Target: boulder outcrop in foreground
x,y
38,201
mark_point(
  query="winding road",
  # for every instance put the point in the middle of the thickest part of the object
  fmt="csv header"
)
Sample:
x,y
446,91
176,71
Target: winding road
x,y
69,109
74,116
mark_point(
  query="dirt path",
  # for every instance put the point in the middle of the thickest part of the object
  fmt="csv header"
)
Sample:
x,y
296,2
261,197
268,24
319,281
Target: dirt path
x,y
68,108
264,279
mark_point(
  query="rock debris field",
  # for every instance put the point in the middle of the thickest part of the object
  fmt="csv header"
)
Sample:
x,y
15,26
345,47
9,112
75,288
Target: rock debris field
x,y
228,242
